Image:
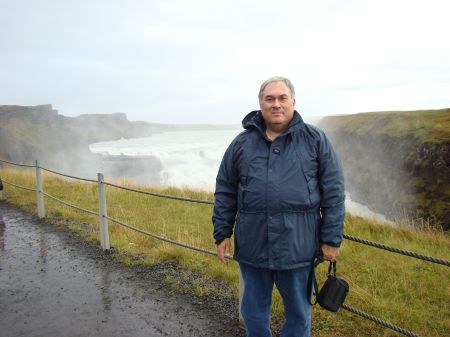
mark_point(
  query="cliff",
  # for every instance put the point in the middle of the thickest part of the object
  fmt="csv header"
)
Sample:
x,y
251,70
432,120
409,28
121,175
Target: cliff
x,y
397,163
28,133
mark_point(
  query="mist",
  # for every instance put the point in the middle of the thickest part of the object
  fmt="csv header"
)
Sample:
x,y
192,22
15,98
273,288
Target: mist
x,y
187,158
191,159
396,162
389,175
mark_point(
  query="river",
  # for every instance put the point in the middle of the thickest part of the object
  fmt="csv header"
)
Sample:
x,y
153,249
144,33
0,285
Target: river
x,y
192,158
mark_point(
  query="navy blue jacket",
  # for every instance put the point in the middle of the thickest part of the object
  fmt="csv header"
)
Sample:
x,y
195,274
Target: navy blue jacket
x,y
283,197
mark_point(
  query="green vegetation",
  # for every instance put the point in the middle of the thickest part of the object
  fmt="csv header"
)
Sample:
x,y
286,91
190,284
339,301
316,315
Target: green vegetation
x,y
405,291
396,161
423,125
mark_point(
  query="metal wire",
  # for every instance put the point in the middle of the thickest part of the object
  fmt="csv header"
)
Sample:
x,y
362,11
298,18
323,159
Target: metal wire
x,y
70,205
165,239
68,176
18,186
398,251
161,195
378,321
11,163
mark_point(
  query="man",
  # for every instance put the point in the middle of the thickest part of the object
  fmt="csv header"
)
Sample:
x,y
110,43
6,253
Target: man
x,y
280,186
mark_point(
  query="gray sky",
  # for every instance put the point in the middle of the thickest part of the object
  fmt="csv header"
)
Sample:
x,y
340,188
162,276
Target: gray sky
x,y
201,61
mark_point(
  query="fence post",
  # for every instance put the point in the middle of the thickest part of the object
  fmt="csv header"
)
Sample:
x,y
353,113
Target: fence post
x,y
39,195
241,293
104,235
1,188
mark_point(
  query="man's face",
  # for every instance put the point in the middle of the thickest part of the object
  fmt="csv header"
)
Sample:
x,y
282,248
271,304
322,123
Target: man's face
x,y
277,105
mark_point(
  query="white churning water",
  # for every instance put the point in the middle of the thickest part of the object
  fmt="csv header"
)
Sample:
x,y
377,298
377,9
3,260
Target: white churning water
x,y
192,158
188,158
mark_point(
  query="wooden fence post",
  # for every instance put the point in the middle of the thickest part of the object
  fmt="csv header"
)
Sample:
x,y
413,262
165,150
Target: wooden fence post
x,y
1,188
39,195
104,235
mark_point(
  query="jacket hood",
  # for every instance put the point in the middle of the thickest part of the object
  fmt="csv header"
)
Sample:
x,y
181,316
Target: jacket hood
x,y
254,119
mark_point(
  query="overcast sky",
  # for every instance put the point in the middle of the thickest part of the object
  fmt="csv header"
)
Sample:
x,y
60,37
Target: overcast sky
x,y
201,61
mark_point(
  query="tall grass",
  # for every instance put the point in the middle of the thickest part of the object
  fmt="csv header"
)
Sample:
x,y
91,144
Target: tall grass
x,y
405,291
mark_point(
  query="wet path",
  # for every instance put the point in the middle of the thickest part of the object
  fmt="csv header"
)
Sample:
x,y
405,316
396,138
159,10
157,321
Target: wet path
x,y
54,284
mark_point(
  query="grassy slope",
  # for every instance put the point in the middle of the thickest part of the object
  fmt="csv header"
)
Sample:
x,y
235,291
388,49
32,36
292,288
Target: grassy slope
x,y
423,125
405,291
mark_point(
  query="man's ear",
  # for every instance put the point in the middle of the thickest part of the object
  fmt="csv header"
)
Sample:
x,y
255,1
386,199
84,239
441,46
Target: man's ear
x,y
294,103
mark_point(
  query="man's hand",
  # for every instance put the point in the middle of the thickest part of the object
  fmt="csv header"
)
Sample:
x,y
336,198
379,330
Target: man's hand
x,y
330,253
223,250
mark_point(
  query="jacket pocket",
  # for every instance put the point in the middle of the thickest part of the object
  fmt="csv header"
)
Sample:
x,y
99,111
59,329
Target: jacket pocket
x,y
312,180
241,192
251,238
309,166
300,236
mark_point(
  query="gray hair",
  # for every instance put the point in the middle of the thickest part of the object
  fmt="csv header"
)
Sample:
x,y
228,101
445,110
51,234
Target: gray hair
x,y
277,79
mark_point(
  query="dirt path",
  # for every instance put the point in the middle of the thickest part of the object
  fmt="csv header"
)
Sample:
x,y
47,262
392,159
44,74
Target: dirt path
x,y
52,283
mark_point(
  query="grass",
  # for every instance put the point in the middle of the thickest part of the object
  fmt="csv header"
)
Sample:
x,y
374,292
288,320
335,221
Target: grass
x,y
426,126
405,291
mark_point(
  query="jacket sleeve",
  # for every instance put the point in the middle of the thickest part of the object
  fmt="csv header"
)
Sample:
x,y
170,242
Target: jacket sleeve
x,y
225,203
331,184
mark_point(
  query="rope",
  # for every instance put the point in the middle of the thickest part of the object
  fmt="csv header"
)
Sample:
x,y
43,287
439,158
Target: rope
x,y
379,321
348,237
70,205
11,163
161,195
398,251
201,250
344,306
68,176
18,186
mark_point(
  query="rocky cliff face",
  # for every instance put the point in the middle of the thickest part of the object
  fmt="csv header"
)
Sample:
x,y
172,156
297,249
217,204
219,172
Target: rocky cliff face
x,y
397,163
28,133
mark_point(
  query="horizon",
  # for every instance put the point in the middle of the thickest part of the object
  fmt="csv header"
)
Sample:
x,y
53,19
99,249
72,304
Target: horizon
x,y
314,119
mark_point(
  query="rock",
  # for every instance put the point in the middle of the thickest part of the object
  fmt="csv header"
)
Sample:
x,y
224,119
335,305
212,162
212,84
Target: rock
x,y
397,163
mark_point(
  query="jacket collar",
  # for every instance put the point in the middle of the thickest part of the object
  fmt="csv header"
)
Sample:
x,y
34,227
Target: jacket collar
x,y
254,120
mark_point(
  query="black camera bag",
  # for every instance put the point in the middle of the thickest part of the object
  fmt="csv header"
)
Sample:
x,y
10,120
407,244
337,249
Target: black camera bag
x,y
333,292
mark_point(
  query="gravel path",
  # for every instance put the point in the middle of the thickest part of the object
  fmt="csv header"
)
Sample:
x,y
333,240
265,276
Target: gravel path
x,y
52,283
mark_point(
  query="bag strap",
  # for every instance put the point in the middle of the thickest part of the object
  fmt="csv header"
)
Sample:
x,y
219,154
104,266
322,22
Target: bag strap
x,y
332,268
312,290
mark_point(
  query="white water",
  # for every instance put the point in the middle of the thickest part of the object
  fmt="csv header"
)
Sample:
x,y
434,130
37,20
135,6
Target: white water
x,y
192,158
188,158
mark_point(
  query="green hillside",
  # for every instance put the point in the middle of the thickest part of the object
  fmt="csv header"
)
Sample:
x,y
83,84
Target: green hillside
x,y
422,125
398,162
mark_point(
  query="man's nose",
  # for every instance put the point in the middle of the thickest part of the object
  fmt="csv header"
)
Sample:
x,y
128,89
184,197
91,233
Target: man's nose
x,y
276,103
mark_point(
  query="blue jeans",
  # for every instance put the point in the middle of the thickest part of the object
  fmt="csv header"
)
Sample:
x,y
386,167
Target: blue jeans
x,y
257,300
